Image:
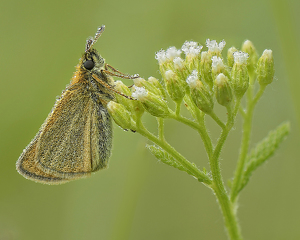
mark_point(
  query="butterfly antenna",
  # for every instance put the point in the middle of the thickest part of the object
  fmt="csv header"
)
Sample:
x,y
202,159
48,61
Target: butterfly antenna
x,y
91,41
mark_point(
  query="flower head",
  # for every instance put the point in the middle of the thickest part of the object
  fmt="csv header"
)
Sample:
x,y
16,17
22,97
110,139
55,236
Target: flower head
x,y
230,59
200,95
178,63
161,56
213,46
140,93
191,48
223,90
240,57
217,63
192,79
240,74
265,68
169,74
172,53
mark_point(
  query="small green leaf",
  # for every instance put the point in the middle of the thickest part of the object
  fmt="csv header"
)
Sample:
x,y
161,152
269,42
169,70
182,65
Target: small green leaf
x,y
166,158
263,151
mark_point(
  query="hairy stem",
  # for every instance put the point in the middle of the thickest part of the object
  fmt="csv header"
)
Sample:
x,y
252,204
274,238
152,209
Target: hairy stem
x,y
247,127
161,135
178,108
226,206
217,120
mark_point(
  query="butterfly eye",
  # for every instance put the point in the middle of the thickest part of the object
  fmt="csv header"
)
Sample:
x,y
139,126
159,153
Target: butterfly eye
x,y
89,64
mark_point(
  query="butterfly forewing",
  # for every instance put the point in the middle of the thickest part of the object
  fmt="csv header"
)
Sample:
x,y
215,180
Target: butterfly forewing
x,y
75,139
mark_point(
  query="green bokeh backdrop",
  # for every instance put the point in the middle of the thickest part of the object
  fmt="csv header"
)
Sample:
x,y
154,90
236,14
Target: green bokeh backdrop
x,y
138,197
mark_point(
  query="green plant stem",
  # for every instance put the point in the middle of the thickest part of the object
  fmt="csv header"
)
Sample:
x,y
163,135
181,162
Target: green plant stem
x,y
178,107
186,121
218,187
169,149
247,127
198,127
199,115
204,134
258,95
160,122
217,120
229,215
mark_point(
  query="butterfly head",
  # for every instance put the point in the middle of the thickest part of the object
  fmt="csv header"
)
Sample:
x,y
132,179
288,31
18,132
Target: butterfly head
x,y
91,59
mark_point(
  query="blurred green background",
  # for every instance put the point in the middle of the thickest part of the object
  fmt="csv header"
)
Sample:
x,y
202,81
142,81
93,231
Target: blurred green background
x,y
138,197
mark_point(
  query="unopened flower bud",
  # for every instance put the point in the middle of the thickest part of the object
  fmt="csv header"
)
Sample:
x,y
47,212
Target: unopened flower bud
x,y
162,59
135,107
165,58
181,69
121,87
230,59
265,68
174,86
192,54
120,115
223,90
218,67
140,82
152,103
240,75
155,82
206,68
200,95
249,48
